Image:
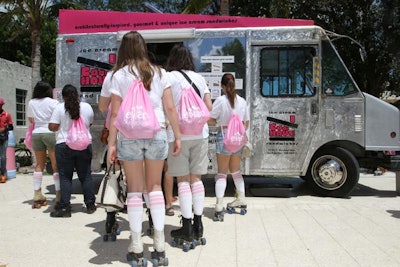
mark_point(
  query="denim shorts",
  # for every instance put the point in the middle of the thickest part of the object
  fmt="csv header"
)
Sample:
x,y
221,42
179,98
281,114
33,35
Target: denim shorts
x,y
220,147
139,149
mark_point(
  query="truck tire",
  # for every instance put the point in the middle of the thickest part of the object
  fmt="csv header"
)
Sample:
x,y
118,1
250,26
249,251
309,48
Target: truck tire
x,y
333,172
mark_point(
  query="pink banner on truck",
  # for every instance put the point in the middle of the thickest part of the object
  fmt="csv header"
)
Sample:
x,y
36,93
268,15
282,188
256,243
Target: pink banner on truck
x,y
92,21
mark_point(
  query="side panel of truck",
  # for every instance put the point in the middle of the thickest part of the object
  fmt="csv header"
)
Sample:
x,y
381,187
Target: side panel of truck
x,y
308,118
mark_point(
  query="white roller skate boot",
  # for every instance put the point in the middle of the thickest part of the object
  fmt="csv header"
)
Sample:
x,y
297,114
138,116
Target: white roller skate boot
x,y
135,251
38,199
219,211
238,203
158,255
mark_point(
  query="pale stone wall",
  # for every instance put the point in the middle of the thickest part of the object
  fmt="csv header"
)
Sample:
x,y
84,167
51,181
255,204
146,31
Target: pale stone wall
x,y
15,76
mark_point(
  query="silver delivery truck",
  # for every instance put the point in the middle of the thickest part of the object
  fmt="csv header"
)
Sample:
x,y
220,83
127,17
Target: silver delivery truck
x,y
308,117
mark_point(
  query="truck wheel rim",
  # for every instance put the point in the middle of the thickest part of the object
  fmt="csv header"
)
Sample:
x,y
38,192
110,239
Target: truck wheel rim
x,y
329,172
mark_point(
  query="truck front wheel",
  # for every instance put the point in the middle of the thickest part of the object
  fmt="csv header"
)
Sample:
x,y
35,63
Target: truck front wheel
x,y
333,172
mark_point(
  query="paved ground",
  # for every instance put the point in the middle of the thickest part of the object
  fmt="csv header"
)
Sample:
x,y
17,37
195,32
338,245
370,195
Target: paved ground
x,y
299,229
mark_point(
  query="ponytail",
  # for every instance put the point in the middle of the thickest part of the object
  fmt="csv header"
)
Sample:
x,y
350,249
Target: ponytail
x,y
71,101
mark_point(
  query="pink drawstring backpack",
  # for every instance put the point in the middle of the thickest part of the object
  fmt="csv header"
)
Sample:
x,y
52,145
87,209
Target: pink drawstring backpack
x,y
235,136
28,136
192,112
136,118
78,135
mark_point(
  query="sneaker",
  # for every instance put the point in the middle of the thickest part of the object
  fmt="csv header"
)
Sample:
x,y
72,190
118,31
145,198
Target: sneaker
x,y
61,213
91,208
3,179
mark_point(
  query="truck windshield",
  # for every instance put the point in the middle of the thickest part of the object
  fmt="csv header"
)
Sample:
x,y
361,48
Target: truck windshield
x,y
287,71
336,80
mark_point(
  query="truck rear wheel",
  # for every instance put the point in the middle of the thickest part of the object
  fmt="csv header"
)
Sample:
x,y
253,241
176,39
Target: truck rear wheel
x,y
333,172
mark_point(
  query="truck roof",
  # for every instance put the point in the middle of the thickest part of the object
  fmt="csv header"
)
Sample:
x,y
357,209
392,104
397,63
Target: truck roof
x,y
94,21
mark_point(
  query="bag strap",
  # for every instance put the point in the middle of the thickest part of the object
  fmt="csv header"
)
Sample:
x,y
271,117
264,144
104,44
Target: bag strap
x,y
191,83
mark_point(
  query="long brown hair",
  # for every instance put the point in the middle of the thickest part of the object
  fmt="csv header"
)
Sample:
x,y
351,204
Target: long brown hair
x,y
180,58
133,52
229,82
71,101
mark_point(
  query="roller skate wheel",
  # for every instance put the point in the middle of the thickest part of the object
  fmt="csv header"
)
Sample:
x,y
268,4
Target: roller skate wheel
x,y
203,241
174,243
193,245
243,212
105,238
230,210
155,262
185,247
113,237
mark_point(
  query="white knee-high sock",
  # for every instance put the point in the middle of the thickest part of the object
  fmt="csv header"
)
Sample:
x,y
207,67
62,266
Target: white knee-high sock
x,y
198,195
37,180
185,199
238,181
220,185
134,205
157,209
146,198
56,179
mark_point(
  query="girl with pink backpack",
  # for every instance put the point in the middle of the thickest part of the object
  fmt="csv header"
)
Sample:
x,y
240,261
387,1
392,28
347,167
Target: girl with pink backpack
x,y
142,153
224,107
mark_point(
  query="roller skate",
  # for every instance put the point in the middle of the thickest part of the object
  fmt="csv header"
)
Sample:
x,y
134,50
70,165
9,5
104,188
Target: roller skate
x,y
198,230
112,227
39,200
219,211
238,203
158,255
183,237
150,230
134,257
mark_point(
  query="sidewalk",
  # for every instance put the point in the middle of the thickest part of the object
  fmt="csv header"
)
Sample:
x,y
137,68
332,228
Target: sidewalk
x,y
301,230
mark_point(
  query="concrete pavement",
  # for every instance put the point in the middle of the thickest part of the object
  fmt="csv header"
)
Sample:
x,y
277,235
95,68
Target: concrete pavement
x,y
297,230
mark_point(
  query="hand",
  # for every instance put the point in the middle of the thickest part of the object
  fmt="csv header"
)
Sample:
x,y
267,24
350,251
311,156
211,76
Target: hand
x,y
112,154
177,147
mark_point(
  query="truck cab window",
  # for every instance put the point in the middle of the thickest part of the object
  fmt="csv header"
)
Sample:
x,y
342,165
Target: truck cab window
x,y
336,81
287,72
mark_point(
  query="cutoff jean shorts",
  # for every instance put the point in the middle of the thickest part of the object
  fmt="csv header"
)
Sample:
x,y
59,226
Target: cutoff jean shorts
x,y
220,148
139,149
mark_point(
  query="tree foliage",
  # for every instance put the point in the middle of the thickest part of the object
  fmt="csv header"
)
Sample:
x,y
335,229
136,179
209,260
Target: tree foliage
x,y
28,29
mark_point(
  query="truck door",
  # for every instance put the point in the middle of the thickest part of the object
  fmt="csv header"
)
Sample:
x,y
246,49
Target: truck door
x,y
284,108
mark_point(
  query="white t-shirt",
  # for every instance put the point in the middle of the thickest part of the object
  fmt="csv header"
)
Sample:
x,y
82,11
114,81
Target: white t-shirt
x,y
40,109
59,116
122,80
178,83
105,88
222,110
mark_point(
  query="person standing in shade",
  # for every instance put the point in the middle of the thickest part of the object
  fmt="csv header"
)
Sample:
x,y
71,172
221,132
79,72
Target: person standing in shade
x,y
6,124
40,108
142,159
223,108
69,159
192,163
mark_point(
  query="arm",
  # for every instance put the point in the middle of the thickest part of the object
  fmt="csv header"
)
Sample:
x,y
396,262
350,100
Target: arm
x,y
212,121
112,138
104,102
170,109
207,101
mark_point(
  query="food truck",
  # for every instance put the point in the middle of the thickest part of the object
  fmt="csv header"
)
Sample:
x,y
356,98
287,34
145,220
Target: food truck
x,y
308,117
